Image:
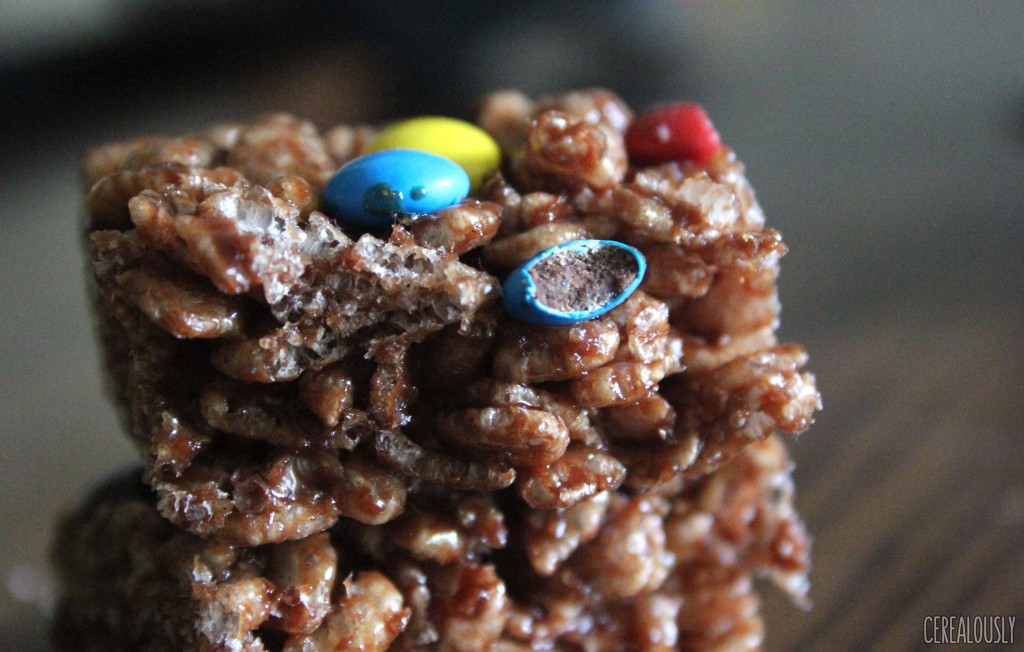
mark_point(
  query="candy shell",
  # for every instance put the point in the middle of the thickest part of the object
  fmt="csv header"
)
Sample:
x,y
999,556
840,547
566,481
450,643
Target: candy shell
x,y
372,190
466,144
573,282
674,132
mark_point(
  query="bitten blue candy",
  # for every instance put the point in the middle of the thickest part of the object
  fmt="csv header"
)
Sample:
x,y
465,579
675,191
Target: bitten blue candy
x,y
573,282
372,190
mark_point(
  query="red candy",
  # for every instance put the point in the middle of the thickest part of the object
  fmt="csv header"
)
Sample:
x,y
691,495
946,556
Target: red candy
x,y
673,132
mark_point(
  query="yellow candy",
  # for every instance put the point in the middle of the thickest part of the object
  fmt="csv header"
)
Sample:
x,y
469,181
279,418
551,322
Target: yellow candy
x,y
468,145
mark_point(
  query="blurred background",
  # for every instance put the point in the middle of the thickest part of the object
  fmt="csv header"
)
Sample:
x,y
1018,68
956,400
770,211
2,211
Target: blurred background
x,y
886,141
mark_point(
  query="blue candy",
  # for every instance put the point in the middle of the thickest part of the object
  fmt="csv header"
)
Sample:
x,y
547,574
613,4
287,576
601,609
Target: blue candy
x,y
370,191
585,278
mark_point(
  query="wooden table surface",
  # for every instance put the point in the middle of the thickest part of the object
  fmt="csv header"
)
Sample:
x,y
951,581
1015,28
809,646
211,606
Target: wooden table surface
x,y
911,480
885,143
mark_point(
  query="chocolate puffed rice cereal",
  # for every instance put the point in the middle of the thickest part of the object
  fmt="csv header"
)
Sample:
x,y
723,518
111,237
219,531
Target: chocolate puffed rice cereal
x,y
287,372
456,571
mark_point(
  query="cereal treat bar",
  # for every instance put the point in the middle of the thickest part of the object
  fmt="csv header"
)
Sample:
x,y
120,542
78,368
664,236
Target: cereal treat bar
x,y
463,571
493,361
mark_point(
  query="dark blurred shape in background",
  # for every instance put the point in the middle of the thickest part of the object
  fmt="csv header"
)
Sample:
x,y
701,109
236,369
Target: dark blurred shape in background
x,y
328,60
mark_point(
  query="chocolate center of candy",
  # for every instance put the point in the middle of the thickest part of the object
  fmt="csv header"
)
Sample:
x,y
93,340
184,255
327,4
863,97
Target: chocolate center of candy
x,y
574,280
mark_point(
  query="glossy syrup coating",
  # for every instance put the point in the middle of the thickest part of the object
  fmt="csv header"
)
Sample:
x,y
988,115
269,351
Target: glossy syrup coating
x,y
283,373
